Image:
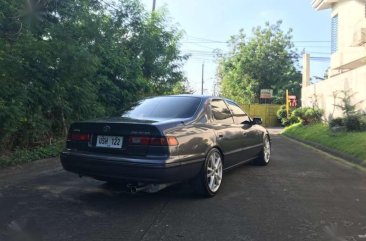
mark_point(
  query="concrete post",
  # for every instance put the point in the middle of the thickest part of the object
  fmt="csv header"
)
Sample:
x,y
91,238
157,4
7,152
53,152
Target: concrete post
x,y
306,71
305,77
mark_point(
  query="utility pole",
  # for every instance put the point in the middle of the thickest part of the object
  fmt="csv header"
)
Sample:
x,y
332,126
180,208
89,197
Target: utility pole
x,y
203,69
154,5
287,105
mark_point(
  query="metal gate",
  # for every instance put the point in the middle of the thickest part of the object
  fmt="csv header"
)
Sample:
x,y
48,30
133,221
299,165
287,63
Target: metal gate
x,y
266,111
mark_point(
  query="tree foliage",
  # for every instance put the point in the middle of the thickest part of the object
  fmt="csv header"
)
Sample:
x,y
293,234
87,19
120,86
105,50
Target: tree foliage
x,y
70,60
267,60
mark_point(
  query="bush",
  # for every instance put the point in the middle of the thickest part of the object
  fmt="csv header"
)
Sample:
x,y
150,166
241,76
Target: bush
x,y
349,123
21,156
282,116
281,113
336,122
363,123
353,123
292,120
308,115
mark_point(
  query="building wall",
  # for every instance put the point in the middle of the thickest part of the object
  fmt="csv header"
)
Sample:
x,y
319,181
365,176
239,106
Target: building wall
x,y
321,93
350,14
351,19
348,64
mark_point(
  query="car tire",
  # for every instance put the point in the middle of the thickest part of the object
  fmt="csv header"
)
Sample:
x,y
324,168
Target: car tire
x,y
207,183
264,156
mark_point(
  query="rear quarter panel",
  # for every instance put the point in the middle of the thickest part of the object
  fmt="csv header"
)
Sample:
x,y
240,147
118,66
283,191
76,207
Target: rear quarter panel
x,y
195,140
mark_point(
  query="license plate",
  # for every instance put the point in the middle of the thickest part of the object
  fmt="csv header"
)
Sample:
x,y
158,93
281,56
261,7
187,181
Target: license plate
x,y
109,141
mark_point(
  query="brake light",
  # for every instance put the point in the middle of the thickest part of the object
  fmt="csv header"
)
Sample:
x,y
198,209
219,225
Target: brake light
x,y
153,141
78,137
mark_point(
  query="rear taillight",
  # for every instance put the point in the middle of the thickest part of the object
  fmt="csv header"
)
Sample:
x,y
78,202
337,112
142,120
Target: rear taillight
x,y
78,137
153,141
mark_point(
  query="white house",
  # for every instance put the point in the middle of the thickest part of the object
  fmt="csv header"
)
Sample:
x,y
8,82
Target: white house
x,y
347,70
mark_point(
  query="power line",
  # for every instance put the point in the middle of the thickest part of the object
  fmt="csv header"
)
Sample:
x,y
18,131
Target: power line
x,y
205,39
223,42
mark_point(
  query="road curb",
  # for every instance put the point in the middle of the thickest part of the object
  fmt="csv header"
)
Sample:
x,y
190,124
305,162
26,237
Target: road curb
x,y
347,157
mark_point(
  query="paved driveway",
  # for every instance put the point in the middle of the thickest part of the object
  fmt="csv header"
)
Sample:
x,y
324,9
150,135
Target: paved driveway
x,y
302,195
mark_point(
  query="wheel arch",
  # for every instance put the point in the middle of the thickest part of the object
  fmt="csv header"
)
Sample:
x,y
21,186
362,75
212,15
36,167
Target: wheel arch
x,y
219,149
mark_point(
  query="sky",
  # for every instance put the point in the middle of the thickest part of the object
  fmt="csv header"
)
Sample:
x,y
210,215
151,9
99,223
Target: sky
x,y
208,25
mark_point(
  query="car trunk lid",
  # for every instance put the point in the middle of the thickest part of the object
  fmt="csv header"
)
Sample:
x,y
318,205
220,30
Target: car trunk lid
x,y
122,136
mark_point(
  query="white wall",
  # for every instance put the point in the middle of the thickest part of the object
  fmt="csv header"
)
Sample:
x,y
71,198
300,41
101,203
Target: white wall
x,y
322,92
348,64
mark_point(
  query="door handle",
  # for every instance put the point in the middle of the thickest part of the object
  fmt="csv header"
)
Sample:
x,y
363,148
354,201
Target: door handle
x,y
221,135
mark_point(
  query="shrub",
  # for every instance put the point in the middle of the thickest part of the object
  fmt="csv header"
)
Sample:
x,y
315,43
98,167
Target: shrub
x,y
293,119
353,123
363,123
336,122
281,113
20,156
308,115
349,123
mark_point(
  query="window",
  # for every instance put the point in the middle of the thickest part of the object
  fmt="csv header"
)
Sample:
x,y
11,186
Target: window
x,y
220,112
238,114
164,108
334,33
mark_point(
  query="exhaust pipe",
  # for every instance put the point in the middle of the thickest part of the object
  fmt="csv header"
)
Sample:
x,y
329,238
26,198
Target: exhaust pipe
x,y
135,189
150,188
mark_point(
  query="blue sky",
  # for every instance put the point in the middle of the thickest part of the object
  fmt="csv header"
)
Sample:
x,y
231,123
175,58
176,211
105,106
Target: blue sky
x,y
217,20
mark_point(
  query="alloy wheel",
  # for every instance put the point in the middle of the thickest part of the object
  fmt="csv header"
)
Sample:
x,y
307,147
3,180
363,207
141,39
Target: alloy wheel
x,y
214,171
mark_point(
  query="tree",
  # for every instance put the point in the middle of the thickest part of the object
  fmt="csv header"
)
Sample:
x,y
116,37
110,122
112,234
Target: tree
x,y
69,60
267,60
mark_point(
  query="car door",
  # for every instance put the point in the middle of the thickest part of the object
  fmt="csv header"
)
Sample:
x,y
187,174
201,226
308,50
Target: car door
x,y
249,134
227,135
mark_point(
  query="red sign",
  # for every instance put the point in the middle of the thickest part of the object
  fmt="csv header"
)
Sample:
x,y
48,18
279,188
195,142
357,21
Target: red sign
x,y
292,100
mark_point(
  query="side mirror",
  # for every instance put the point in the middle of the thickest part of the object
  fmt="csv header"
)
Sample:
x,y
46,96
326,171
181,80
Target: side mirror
x,y
257,121
247,123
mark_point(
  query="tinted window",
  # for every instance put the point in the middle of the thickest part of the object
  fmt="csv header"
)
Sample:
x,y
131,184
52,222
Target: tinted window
x,y
166,107
238,114
220,112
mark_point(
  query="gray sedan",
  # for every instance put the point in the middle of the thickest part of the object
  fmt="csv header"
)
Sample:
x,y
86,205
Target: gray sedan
x,y
163,140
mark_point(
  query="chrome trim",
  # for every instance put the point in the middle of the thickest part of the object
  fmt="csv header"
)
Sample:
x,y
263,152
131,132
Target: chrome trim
x,y
243,149
239,163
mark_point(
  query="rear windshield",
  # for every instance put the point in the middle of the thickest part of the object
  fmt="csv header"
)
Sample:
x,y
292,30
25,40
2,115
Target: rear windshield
x,y
166,107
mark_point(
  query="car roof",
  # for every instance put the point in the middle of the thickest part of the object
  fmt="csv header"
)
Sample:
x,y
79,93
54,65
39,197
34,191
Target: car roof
x,y
205,97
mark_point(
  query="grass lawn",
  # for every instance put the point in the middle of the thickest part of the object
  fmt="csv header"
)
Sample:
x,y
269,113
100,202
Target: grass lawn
x,y
353,143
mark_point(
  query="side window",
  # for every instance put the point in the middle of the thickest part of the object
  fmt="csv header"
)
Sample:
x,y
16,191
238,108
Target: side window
x,y
238,114
220,112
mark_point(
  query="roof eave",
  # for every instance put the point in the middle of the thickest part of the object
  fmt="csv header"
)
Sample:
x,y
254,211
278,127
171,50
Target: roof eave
x,y
321,4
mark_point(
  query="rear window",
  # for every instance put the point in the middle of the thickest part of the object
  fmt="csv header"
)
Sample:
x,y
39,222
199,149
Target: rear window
x,y
166,107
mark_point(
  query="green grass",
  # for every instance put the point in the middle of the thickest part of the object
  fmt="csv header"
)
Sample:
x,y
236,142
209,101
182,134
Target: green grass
x,y
21,156
353,143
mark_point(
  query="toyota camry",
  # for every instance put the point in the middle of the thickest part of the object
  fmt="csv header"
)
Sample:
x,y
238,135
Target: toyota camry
x,y
163,140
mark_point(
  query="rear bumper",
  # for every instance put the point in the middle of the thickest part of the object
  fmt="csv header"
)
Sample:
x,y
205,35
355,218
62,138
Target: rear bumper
x,y
114,168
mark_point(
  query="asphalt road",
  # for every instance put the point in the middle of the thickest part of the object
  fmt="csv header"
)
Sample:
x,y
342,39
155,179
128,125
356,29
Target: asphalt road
x,y
302,195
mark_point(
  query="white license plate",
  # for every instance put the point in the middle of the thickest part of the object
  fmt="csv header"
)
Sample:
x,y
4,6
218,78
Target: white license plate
x,y
109,141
